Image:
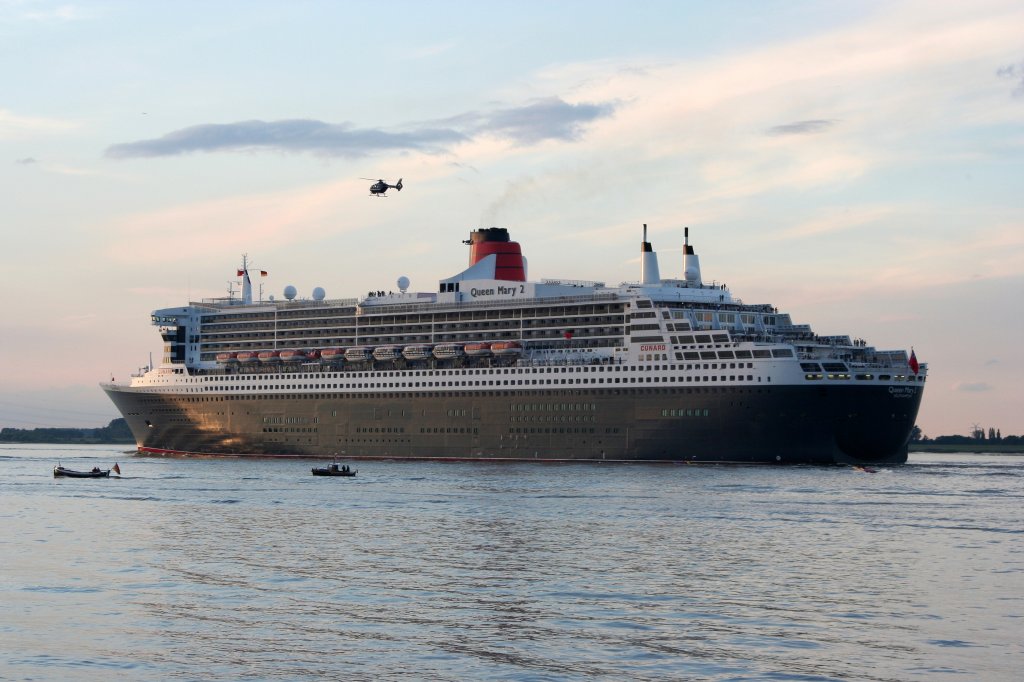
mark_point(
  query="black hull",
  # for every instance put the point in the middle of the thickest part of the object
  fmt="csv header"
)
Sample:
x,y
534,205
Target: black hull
x,y
841,424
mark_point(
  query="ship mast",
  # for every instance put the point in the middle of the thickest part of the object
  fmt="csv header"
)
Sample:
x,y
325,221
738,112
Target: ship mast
x,y
246,282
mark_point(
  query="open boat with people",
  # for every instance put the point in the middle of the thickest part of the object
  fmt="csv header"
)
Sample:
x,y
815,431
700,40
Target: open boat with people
x,y
95,472
334,470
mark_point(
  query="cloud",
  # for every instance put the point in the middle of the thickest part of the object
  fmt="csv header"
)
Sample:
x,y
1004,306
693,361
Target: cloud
x,y
14,126
1013,72
978,387
27,161
544,119
540,120
811,127
19,11
297,135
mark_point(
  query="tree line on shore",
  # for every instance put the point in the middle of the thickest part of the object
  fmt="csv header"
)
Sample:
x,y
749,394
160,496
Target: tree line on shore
x,y
978,435
115,432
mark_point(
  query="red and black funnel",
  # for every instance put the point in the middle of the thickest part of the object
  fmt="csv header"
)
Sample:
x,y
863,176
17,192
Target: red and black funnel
x,y
495,240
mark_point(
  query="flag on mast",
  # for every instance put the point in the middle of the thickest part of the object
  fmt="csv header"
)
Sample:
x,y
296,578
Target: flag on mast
x,y
117,469
914,367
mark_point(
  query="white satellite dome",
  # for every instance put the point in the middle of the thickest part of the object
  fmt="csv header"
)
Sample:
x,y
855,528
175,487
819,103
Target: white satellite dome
x,y
290,292
403,283
319,294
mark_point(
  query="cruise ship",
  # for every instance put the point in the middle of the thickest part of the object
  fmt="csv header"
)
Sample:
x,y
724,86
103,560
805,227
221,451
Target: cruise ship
x,y
491,366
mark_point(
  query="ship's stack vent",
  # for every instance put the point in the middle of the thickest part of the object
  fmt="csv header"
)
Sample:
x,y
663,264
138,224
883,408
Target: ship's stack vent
x,y
648,262
691,263
510,266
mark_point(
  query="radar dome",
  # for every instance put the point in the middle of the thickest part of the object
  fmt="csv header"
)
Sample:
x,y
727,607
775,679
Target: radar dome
x,y
319,294
289,292
403,283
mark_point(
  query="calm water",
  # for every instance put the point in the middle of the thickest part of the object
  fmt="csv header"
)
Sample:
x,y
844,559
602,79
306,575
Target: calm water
x,y
229,569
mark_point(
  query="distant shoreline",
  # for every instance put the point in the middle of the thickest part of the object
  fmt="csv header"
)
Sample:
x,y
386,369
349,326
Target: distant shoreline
x,y
972,448
84,441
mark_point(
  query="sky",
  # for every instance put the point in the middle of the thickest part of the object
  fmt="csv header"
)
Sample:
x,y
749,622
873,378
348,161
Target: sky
x,y
860,165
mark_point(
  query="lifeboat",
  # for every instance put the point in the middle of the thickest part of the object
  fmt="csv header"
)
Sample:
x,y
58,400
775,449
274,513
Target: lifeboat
x,y
332,354
385,353
358,354
270,355
416,352
507,348
224,358
292,355
313,354
476,350
247,356
447,351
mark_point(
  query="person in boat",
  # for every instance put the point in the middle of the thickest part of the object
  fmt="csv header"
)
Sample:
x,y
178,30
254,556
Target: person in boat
x,y
95,470
345,468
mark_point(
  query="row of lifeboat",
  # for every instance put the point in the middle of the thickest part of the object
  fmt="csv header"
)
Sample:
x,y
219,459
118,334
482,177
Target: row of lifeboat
x,y
420,351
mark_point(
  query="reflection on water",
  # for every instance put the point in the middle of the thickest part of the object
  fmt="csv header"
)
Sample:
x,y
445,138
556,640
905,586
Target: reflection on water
x,y
231,568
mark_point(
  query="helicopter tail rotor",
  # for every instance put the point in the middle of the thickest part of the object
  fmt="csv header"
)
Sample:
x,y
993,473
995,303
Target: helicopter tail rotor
x,y
399,185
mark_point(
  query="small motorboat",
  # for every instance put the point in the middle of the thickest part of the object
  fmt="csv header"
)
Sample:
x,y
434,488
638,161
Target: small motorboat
x,y
334,470
59,471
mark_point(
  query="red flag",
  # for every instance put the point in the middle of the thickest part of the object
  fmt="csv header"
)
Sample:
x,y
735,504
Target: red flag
x,y
914,367
263,273
117,469
568,335
241,272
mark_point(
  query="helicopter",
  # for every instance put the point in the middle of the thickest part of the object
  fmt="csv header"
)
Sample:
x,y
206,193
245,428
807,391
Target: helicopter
x,y
378,188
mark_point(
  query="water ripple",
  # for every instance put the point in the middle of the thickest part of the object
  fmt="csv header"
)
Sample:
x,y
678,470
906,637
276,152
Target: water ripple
x,y
234,569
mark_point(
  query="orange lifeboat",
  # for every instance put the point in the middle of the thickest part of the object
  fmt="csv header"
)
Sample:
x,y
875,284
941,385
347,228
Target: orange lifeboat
x,y
270,355
332,354
247,356
507,348
313,354
292,355
479,349
224,358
